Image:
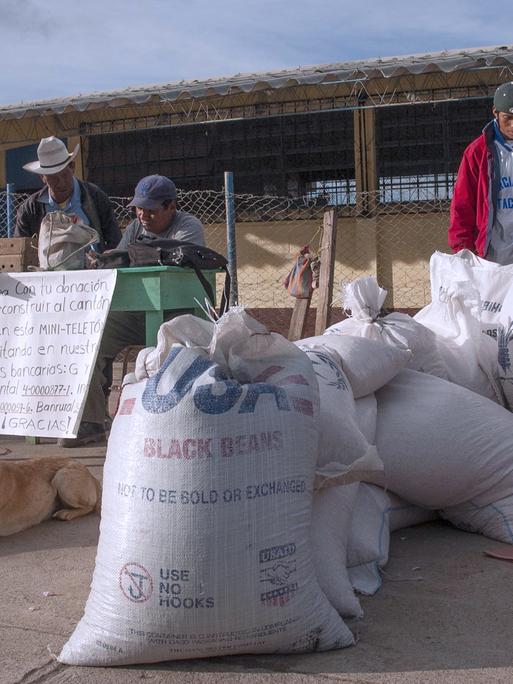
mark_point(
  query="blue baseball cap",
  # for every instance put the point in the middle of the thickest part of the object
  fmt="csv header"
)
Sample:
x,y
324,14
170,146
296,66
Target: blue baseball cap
x,y
151,191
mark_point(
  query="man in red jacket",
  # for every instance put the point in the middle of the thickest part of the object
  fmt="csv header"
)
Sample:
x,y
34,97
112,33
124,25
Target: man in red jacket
x,y
482,203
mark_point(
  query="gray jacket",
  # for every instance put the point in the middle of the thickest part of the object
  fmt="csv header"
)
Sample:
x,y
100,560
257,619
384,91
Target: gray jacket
x,y
184,227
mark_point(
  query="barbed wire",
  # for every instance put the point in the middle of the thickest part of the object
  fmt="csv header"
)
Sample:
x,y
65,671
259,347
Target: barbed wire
x,y
391,240
209,206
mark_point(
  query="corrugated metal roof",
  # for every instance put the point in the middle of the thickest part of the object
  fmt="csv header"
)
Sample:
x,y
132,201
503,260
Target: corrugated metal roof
x,y
386,67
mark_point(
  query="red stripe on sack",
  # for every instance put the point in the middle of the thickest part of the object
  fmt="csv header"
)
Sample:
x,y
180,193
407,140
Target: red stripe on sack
x,y
127,407
292,380
267,373
303,406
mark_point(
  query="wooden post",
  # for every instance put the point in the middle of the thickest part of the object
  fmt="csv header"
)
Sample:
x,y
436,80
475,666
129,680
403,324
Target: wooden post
x,y
366,175
3,170
298,320
329,235
74,140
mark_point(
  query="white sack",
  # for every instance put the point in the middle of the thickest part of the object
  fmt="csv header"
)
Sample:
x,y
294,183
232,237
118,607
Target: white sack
x,y
467,296
351,528
469,356
492,282
190,331
504,338
376,514
344,454
494,520
364,299
367,364
204,545
332,513
445,447
367,416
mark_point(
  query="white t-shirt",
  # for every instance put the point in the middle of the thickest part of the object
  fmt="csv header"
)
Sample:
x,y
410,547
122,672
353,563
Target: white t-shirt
x,y
501,243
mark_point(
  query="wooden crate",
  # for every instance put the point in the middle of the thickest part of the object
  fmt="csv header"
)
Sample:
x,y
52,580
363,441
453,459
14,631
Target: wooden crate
x,y
123,363
16,254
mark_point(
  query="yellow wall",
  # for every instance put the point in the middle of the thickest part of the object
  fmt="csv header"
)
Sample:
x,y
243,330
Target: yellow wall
x,y
395,248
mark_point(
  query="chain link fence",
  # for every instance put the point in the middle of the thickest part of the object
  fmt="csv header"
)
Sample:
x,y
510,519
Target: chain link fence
x,y
390,240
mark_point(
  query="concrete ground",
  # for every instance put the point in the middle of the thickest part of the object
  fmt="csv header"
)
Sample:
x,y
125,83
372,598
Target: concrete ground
x,y
444,614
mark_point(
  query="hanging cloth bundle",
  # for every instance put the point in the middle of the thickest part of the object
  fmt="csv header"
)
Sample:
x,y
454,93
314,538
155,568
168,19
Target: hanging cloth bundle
x,y
303,277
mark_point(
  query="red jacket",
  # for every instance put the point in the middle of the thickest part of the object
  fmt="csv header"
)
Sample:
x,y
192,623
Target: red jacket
x,y
473,205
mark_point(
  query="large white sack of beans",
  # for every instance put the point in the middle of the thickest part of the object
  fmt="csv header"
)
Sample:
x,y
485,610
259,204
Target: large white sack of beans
x,y
449,449
467,296
376,514
368,364
363,299
504,337
332,513
351,528
492,282
344,453
204,544
367,416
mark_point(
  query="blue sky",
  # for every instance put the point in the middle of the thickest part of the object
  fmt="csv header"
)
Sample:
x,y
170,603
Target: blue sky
x,y
58,48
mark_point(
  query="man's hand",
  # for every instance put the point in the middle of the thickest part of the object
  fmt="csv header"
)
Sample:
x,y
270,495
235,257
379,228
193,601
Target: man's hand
x,y
91,259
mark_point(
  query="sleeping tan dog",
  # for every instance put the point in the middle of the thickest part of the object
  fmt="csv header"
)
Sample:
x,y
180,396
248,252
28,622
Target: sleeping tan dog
x,y
34,490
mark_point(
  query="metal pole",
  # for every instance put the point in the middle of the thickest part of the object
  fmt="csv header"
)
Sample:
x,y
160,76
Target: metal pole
x,y
9,209
231,248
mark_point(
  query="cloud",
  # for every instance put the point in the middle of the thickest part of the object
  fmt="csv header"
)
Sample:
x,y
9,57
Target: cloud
x,y
27,17
57,48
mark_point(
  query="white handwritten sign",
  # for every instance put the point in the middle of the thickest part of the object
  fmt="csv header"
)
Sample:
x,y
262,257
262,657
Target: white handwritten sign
x,y
51,324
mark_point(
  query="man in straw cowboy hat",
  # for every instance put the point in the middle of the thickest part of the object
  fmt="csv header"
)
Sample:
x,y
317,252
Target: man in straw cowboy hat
x,y
64,192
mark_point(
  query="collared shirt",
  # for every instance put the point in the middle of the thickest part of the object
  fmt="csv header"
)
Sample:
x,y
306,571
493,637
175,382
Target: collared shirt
x,y
72,206
501,244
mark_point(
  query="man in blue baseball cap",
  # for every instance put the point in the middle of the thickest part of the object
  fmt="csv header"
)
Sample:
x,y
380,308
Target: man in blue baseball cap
x,y
482,203
156,214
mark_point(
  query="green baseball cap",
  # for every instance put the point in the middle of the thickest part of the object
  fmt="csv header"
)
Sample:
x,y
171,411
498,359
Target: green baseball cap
x,y
503,98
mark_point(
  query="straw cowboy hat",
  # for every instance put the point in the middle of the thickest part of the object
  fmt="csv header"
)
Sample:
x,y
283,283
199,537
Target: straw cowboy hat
x,y
52,156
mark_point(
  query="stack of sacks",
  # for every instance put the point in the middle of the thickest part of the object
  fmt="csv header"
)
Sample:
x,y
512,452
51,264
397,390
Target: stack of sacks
x,y
448,449
346,454
363,299
471,296
351,523
204,544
